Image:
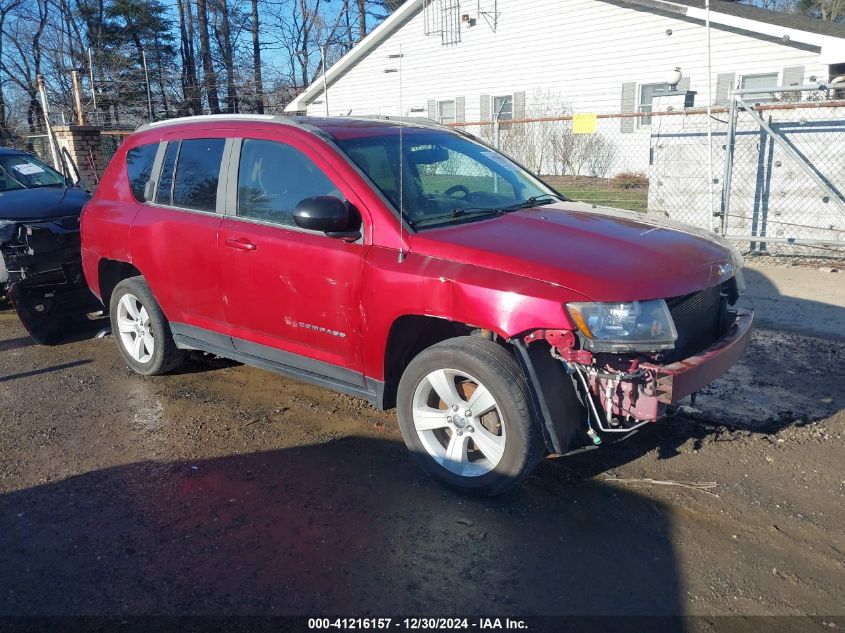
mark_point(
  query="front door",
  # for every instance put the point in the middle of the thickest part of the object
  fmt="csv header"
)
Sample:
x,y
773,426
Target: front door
x,y
290,295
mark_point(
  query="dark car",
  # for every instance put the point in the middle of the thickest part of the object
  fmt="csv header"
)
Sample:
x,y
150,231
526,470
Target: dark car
x,y
40,268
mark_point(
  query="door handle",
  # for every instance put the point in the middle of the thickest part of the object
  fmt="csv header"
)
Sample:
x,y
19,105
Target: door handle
x,y
241,244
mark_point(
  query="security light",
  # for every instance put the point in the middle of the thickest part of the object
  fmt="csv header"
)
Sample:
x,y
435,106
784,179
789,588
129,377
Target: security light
x,y
674,78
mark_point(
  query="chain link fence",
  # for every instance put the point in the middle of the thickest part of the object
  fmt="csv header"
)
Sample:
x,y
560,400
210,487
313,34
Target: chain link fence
x,y
778,165
775,183
111,140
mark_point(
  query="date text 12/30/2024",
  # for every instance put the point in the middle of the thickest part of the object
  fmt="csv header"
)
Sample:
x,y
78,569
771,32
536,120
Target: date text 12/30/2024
x,y
416,624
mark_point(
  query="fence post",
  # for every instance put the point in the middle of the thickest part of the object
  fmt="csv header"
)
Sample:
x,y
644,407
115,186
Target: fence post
x,y
45,108
77,98
730,143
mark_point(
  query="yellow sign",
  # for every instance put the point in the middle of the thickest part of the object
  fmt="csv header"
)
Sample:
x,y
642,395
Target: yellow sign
x,y
584,123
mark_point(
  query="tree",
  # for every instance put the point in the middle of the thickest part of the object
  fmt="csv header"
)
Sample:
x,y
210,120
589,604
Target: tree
x,y
5,132
25,64
191,100
829,10
267,50
209,76
256,60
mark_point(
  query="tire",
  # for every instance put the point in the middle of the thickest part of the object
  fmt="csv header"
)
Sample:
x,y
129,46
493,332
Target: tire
x,y
484,452
147,323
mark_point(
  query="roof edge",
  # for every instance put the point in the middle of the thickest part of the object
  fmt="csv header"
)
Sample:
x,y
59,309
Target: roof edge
x,y
405,12
360,50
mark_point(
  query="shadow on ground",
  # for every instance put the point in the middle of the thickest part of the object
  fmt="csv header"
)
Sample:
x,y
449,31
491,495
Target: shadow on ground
x,y
346,527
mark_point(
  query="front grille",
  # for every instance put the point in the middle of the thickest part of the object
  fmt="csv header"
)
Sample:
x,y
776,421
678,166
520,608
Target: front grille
x,y
701,318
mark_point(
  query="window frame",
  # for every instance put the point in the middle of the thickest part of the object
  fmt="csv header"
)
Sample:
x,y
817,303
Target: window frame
x,y
440,117
771,96
493,106
231,204
225,159
641,119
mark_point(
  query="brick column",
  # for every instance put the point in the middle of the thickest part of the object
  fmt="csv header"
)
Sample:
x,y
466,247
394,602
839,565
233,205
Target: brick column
x,y
81,147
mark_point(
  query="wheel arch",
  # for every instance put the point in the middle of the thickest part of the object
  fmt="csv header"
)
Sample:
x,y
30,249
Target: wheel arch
x,y
554,398
409,335
111,272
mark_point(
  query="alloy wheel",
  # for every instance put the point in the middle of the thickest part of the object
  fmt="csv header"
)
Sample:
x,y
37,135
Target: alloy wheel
x,y
459,422
134,328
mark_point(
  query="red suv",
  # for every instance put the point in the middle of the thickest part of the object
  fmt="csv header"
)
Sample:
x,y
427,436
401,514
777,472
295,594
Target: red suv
x,y
416,267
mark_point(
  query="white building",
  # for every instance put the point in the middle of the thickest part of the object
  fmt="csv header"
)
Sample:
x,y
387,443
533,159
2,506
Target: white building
x,y
464,60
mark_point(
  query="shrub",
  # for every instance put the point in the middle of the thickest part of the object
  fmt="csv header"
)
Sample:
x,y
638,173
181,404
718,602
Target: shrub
x,y
630,180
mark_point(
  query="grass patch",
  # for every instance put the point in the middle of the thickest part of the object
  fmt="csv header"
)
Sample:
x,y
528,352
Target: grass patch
x,y
600,191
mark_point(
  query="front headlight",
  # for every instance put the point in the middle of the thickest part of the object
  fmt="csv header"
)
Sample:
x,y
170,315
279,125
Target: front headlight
x,y
622,327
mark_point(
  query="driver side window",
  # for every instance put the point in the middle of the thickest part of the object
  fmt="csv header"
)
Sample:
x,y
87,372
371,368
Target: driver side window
x,y
273,178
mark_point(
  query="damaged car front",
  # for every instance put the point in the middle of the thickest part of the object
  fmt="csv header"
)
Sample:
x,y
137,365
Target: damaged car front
x,y
40,256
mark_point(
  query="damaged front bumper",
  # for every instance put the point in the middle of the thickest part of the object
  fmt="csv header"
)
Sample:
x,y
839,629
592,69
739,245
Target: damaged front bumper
x,y
41,273
643,392
617,393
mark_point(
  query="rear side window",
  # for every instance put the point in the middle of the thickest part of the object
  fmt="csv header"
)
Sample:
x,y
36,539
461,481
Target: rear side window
x,y
197,174
164,192
139,168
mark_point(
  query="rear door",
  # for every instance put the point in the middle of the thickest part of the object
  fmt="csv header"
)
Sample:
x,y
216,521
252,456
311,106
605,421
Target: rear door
x,y
291,295
174,238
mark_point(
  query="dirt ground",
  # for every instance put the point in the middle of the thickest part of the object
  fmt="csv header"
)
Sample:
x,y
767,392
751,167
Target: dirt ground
x,y
227,489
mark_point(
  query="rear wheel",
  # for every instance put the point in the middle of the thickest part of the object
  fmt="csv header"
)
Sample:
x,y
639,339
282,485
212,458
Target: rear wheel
x,y
141,330
465,416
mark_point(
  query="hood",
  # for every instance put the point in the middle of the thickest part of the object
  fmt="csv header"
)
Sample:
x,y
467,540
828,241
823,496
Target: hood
x,y
605,254
41,203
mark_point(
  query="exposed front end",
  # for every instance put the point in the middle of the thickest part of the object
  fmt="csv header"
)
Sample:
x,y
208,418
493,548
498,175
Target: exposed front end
x,y
630,361
42,276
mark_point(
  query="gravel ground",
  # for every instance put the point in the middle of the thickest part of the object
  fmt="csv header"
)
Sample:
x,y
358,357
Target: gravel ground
x,y
227,489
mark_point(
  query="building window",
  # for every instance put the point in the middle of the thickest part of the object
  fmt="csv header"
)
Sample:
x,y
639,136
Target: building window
x,y
648,93
765,80
503,108
445,112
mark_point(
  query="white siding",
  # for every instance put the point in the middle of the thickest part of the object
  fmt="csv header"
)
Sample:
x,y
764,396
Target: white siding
x,y
572,52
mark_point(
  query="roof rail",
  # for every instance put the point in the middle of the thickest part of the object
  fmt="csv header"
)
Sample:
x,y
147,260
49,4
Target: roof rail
x,y
215,117
419,120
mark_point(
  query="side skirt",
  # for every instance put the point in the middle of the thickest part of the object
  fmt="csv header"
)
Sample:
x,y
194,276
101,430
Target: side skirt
x,y
299,367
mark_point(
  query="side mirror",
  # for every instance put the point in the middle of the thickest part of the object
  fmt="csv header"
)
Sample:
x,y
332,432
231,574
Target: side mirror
x,y
328,214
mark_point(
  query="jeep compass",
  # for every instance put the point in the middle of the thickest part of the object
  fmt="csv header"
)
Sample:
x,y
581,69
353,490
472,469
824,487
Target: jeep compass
x,y
412,265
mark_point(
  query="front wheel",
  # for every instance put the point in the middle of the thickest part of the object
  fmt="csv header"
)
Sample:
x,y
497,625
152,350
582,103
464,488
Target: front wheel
x,y
465,415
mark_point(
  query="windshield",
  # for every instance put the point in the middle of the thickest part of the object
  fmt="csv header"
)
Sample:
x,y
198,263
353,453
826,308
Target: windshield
x,y
446,178
22,171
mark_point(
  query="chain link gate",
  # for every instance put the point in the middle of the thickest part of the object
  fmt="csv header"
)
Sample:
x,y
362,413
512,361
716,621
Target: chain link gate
x,y
784,171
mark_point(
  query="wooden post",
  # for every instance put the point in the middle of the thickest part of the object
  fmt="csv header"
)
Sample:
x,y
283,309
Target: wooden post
x,y
45,108
77,98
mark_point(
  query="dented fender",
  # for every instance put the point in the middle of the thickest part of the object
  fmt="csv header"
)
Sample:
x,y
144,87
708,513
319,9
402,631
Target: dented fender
x,y
501,302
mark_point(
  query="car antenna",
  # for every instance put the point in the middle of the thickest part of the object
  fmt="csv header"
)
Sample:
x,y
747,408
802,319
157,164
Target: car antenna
x,y
401,257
